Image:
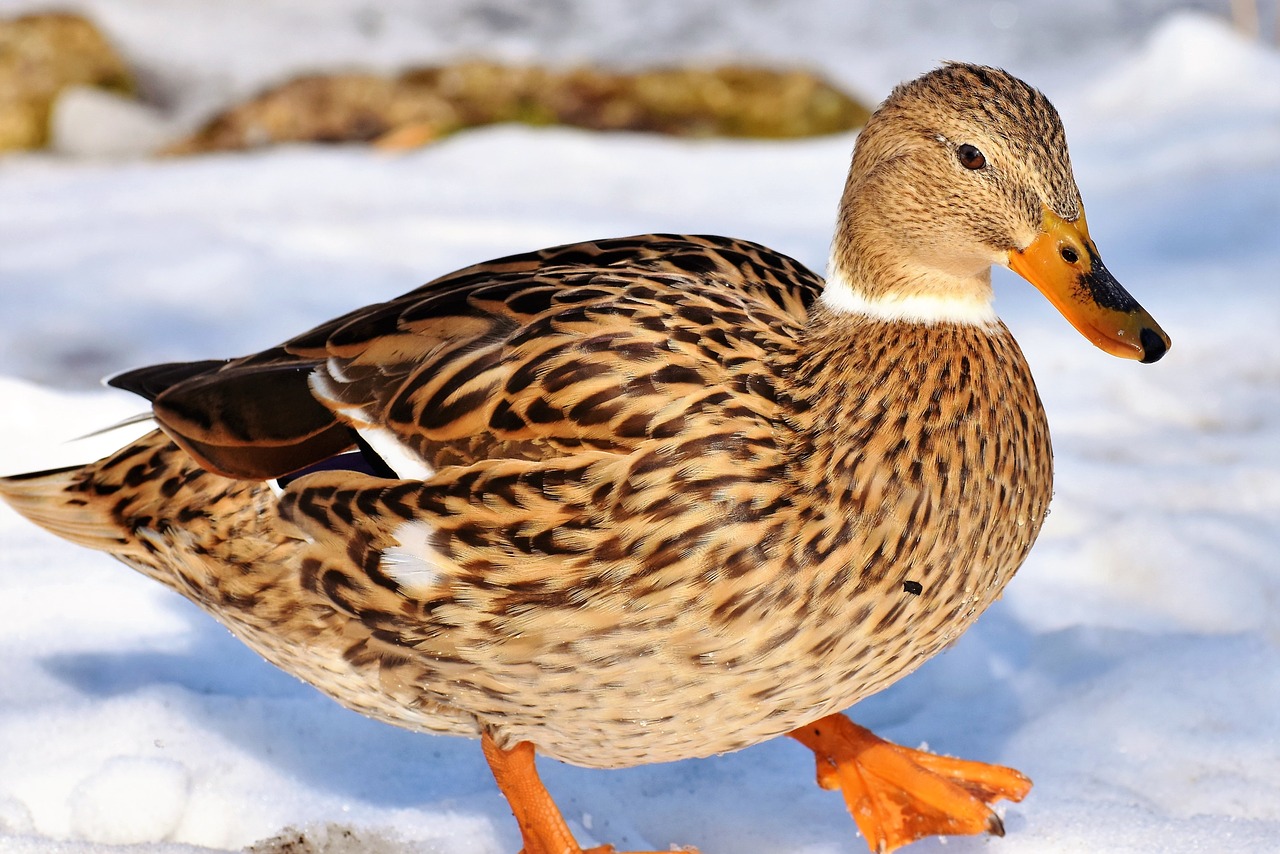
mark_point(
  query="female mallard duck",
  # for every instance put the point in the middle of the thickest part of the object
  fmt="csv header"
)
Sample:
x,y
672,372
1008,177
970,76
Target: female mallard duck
x,y
651,498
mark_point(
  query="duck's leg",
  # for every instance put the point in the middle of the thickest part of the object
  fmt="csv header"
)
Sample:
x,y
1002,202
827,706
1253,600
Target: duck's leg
x,y
898,795
542,827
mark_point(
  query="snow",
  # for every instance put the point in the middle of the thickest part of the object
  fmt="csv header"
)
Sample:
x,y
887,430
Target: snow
x,y
130,799
88,122
1132,669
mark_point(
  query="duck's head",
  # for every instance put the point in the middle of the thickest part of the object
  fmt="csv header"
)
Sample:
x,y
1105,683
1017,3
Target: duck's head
x,y
958,170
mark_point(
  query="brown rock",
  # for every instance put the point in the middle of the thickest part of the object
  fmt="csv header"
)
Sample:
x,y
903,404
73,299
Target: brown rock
x,y
40,55
427,103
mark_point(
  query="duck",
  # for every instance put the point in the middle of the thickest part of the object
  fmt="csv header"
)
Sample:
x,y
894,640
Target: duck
x,y
651,498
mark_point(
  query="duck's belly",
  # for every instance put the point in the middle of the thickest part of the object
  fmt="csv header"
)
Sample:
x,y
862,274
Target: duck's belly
x,y
802,638
914,537
776,667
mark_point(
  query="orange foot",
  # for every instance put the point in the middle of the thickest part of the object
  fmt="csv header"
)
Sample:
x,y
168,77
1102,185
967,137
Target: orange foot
x,y
542,827
898,795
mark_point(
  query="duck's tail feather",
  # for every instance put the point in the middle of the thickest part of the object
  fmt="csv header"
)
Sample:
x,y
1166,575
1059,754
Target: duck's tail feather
x,y
57,500
218,541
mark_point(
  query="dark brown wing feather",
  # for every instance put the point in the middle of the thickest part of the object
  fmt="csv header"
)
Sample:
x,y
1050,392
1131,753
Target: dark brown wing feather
x,y
150,381
249,418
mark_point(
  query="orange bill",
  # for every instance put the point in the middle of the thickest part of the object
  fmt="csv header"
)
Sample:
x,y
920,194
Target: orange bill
x,y
1065,266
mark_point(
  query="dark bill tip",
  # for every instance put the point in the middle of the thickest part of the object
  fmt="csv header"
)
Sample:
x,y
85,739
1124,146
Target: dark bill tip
x,y
1153,345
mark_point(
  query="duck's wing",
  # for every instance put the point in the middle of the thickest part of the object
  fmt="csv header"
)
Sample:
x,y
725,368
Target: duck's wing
x,y
593,345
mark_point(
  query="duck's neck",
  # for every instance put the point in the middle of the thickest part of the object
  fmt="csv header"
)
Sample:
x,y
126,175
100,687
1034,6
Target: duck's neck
x,y
893,259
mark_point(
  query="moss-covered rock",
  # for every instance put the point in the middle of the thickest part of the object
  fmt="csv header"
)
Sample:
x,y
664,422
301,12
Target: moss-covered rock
x,y
40,55
428,103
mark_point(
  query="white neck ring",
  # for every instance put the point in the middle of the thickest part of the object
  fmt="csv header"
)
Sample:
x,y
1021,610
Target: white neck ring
x,y
842,297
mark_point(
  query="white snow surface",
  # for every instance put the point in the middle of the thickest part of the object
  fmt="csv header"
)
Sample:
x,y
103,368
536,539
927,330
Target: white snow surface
x,y
1132,669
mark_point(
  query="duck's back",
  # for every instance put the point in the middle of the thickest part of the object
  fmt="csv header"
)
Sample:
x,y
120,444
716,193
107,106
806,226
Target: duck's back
x,y
460,367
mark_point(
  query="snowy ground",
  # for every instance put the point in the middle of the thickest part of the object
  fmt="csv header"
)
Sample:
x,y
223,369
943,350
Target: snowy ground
x,y
1132,670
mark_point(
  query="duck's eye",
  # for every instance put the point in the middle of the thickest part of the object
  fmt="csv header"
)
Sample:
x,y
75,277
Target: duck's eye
x,y
970,157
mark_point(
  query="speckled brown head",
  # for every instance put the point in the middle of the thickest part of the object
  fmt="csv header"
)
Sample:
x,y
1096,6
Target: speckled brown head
x,y
961,169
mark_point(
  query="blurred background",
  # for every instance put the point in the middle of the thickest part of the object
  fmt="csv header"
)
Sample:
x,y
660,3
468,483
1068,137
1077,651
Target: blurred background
x,y
180,63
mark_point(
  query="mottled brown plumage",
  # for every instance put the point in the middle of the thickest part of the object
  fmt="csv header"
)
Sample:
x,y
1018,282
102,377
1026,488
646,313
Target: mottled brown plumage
x,y
669,496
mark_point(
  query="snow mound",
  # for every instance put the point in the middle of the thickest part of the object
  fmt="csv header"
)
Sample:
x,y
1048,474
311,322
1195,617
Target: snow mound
x,y
130,799
15,818
88,122
1192,64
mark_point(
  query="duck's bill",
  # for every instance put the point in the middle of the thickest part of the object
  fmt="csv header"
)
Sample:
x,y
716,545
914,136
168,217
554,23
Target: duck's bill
x,y
1065,266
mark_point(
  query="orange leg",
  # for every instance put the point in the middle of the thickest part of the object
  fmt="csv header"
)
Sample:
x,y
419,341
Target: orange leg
x,y
542,827
898,795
